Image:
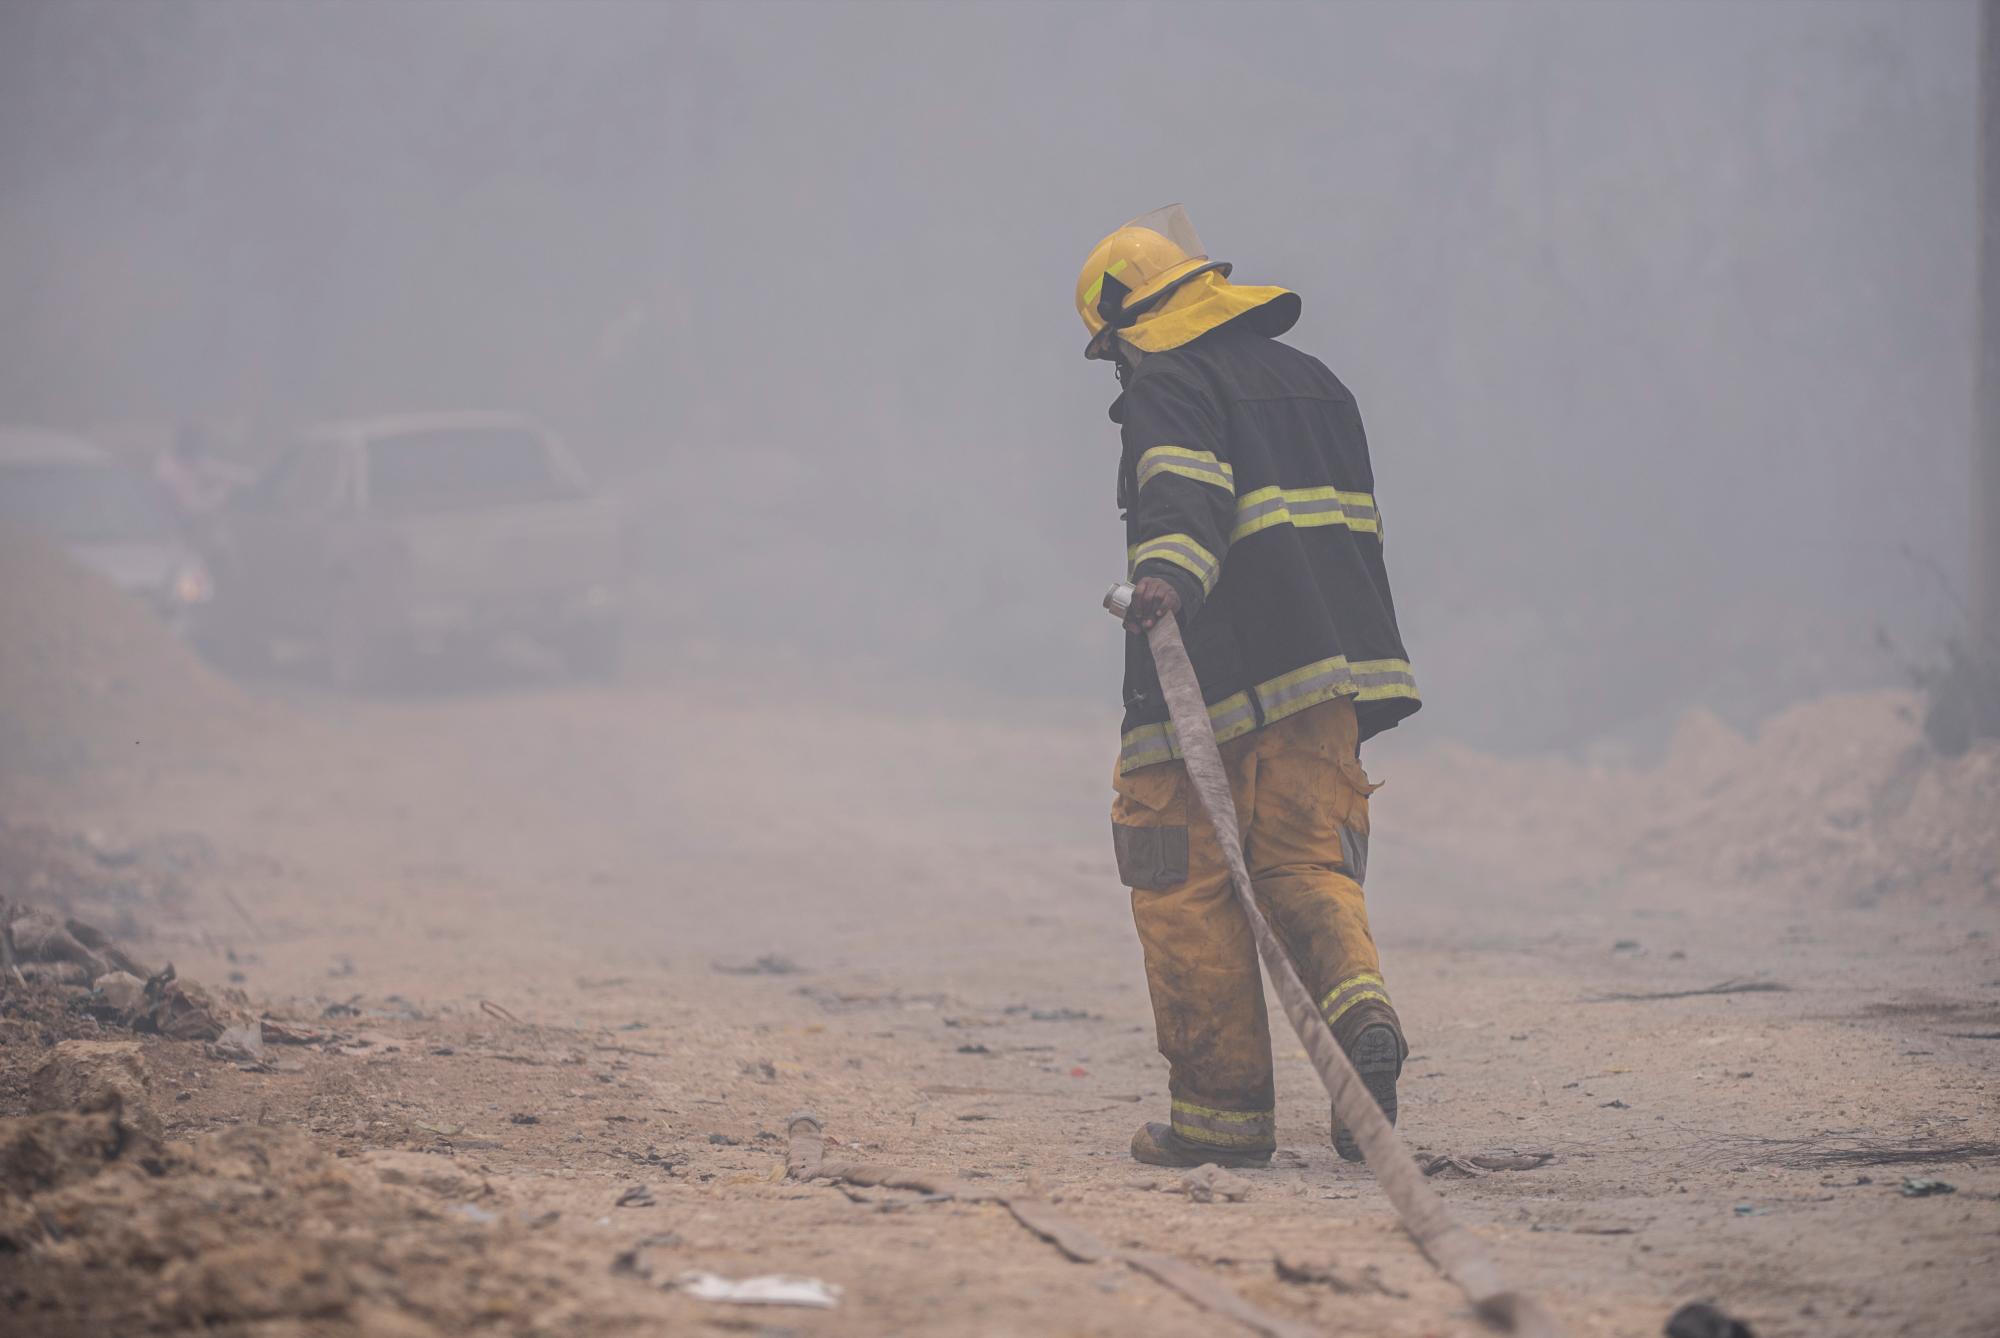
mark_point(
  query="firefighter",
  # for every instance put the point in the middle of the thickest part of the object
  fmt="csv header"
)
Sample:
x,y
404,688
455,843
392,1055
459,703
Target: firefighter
x,y
1250,515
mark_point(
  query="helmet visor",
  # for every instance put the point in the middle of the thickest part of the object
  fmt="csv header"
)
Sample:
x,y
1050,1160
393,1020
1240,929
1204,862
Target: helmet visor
x,y
1172,222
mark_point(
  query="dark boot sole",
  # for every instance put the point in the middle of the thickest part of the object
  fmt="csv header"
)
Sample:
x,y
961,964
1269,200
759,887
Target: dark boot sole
x,y
1158,1145
1378,1057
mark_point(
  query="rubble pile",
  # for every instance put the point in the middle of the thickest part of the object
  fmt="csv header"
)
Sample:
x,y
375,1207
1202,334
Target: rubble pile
x,y
89,678
105,1229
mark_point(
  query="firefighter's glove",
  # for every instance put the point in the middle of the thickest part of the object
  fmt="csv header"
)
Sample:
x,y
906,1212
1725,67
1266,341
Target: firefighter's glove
x,y
1152,600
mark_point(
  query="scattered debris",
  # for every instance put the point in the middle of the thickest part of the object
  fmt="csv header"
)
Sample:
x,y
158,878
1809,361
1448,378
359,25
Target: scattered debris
x,y
1815,1153
1725,987
243,1042
120,991
1511,1161
724,1140
770,964
180,1010
1210,1183
1449,1167
1442,1165
1613,1105
96,1075
955,1089
636,1196
522,1117
1922,1187
805,1161
844,1001
1051,1014
975,1050
1313,1272
766,1289
635,1262
1703,1319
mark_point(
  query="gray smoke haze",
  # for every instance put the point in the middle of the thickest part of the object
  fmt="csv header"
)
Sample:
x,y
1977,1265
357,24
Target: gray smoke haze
x,y
1660,316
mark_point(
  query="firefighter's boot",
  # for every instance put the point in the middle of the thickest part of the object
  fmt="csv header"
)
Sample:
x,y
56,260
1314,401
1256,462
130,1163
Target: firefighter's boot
x,y
1377,1055
1159,1145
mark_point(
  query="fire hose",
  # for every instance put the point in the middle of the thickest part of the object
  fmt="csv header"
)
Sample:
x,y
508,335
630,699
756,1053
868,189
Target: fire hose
x,y
1455,1251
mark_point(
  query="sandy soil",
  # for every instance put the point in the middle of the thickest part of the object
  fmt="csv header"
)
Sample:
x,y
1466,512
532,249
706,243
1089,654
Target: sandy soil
x,y
509,909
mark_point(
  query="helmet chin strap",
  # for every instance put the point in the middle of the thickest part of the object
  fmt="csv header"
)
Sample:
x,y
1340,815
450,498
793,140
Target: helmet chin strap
x,y
1126,357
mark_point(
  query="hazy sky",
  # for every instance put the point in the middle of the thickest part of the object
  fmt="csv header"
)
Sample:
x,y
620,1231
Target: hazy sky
x,y
1660,316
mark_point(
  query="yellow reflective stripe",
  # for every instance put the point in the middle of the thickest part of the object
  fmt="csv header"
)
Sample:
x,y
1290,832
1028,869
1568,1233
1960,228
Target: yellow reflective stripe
x,y
1229,1116
1182,551
1096,289
1361,997
1146,746
1149,745
1378,680
1274,699
1305,508
1223,1128
1201,466
1360,978
1196,1134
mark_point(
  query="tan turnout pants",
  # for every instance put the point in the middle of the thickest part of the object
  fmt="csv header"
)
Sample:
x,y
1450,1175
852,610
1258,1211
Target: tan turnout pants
x,y
1302,804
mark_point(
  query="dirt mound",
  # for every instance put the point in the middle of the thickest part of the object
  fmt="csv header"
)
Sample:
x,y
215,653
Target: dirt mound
x,y
1840,799
101,1232
1843,797
88,677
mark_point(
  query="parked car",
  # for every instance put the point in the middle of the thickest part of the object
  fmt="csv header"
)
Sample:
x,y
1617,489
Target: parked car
x,y
368,540
107,517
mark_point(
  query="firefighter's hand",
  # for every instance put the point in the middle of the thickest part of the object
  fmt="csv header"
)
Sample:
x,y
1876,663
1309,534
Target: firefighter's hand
x,y
1152,600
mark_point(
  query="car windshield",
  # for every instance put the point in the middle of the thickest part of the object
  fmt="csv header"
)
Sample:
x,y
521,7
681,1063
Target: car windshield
x,y
448,469
84,503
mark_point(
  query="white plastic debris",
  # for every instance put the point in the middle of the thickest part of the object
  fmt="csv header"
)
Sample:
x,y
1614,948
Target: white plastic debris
x,y
766,1289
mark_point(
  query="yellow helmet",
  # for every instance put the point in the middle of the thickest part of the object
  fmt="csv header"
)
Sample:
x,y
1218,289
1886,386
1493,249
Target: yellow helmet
x,y
1132,269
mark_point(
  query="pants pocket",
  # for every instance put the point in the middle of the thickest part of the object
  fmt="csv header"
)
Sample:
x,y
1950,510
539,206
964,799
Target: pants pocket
x,y
1149,827
1151,859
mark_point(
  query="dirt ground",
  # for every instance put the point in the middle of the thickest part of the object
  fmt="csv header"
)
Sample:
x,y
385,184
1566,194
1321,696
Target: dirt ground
x,y
560,942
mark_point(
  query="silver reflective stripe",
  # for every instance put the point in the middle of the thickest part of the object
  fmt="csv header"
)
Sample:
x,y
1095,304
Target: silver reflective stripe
x,y
1201,466
1230,718
1376,678
1314,507
1145,747
1281,698
1259,509
1182,553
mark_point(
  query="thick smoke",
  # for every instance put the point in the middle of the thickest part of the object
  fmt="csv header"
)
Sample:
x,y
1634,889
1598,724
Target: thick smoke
x,y
1660,315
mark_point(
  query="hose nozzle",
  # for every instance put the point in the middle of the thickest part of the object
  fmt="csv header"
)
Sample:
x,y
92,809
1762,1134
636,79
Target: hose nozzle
x,y
1118,601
